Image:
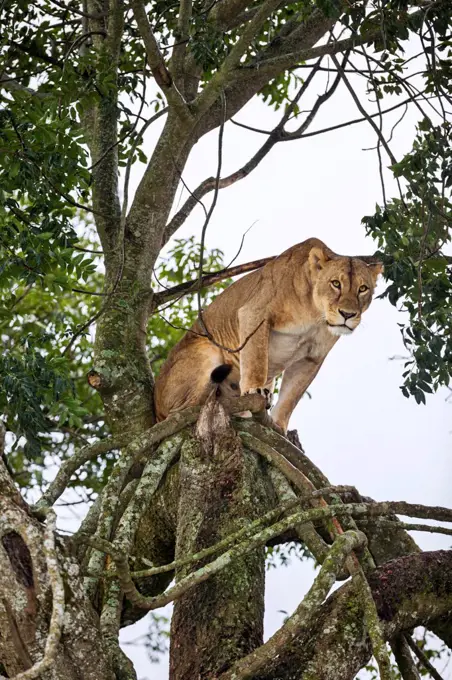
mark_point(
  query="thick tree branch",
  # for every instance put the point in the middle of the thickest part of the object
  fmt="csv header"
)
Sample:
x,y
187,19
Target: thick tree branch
x,y
156,62
125,533
207,280
182,37
305,532
408,591
155,58
156,434
101,126
220,79
404,659
33,564
423,658
7,486
224,14
304,614
275,458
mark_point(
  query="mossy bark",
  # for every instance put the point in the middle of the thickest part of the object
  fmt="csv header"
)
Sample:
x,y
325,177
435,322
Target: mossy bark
x,y
121,371
26,604
220,620
408,592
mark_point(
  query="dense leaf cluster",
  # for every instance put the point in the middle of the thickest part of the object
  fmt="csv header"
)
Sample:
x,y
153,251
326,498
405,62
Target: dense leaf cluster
x,y
44,389
412,232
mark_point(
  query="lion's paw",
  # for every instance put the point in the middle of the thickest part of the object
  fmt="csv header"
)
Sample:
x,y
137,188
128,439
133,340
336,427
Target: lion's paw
x,y
265,392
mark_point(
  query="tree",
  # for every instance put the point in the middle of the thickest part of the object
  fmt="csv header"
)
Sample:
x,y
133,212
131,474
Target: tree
x,y
167,500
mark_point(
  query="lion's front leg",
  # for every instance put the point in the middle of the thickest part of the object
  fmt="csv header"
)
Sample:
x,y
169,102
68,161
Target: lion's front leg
x,y
254,335
295,382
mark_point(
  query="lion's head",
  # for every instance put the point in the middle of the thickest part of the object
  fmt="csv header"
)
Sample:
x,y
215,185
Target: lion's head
x,y
342,288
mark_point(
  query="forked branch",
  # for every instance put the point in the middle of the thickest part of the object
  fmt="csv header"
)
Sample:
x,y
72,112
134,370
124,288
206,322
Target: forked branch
x,y
156,61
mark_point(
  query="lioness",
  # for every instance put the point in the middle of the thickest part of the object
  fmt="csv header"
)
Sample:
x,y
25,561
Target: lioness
x,y
286,316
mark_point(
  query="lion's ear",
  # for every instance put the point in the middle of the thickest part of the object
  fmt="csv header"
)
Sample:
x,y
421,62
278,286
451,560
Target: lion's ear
x,y
318,258
376,268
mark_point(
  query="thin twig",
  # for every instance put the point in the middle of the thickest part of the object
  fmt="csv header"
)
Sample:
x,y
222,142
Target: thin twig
x,y
423,658
363,111
201,319
332,128
212,207
240,246
410,526
380,127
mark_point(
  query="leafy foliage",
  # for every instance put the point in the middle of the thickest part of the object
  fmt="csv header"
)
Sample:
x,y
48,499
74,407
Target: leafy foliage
x,y
412,232
46,400
45,390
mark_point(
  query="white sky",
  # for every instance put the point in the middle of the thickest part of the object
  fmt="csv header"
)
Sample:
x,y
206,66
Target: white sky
x,y
358,428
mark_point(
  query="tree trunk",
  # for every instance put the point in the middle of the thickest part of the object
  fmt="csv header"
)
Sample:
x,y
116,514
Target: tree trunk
x,y
27,600
222,489
121,370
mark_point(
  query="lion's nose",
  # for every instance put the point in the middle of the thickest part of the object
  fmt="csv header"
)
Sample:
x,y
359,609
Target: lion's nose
x,y
347,315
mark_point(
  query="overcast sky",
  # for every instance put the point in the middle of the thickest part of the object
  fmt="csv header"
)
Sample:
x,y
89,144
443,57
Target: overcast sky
x,y
358,428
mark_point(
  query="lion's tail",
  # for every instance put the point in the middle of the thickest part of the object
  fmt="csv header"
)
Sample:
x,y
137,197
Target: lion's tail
x,y
220,373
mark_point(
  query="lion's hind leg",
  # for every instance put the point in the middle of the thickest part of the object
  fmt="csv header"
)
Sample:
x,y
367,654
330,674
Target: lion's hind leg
x,y
185,380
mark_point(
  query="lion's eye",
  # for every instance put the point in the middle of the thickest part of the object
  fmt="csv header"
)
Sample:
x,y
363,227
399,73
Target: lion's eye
x,y
336,283
363,288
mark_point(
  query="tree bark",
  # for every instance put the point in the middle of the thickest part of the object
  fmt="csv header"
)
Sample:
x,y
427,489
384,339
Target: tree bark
x,y
26,602
410,591
219,621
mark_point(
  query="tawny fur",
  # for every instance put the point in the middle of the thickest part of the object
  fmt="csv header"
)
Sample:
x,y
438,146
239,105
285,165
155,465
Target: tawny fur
x,y
295,307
